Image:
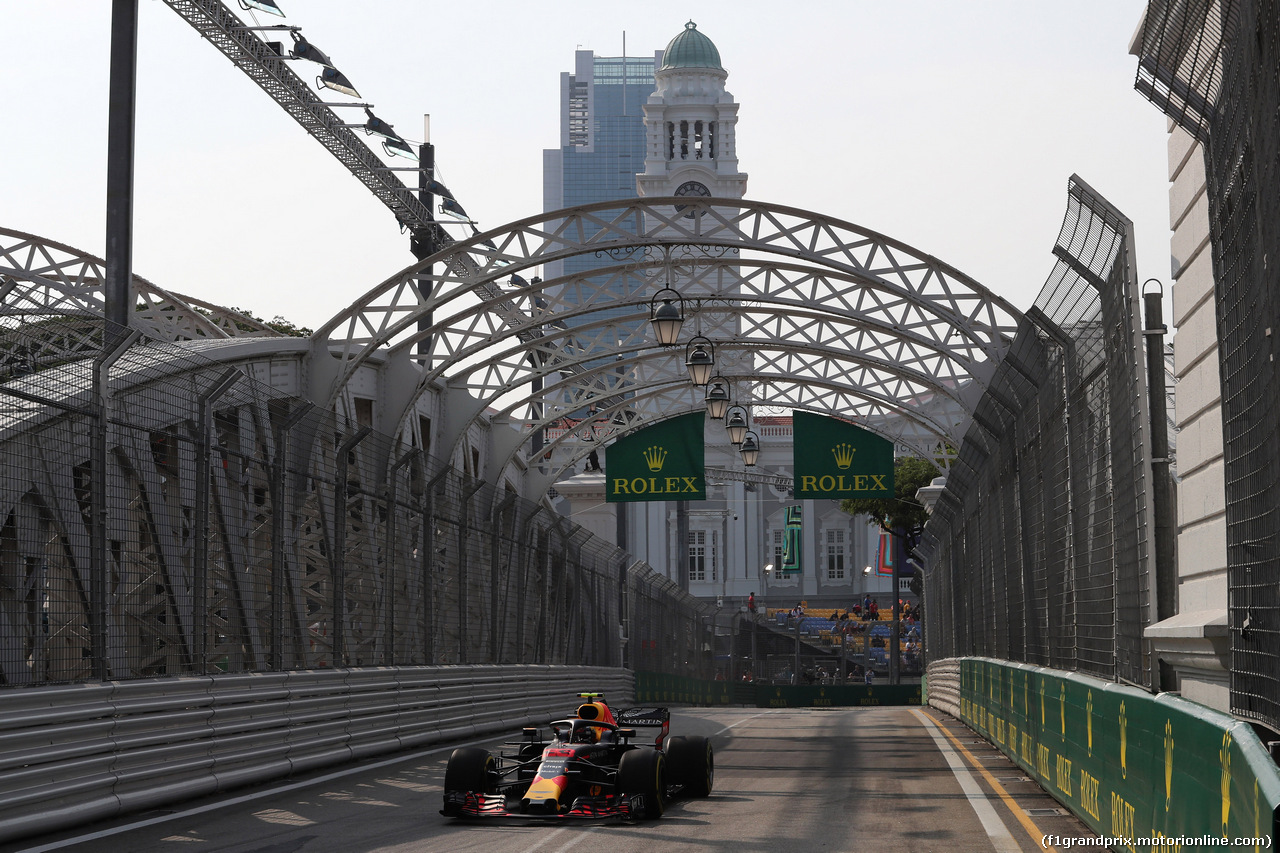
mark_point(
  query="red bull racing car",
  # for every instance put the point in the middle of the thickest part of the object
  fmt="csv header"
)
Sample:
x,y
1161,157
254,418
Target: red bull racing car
x,y
589,766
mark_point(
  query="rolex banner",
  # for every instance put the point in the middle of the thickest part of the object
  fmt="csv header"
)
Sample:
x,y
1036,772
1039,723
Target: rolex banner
x,y
835,459
663,462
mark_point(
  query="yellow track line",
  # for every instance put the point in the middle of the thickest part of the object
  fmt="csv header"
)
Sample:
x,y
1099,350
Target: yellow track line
x,y
1036,833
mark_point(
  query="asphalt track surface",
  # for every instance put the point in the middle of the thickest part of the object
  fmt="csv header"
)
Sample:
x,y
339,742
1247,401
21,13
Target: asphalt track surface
x,y
840,779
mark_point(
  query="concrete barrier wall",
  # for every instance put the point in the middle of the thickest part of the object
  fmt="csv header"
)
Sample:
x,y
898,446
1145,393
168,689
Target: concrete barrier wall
x,y
1130,764
77,753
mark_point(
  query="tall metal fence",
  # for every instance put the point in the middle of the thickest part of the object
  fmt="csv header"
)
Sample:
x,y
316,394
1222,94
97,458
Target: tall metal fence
x,y
1039,549
1212,67
194,519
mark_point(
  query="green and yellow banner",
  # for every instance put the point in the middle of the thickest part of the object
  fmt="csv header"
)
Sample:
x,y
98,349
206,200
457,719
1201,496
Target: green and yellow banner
x,y
835,459
663,462
1152,773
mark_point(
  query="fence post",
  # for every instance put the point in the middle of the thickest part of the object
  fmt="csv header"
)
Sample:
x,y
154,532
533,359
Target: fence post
x,y
495,551
389,563
279,504
429,553
338,560
113,346
200,575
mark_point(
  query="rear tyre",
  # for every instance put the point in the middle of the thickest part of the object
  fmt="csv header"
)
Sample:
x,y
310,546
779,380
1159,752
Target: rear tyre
x,y
644,771
470,770
691,764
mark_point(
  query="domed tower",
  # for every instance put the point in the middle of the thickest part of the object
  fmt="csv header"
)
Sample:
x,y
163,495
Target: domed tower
x,y
689,124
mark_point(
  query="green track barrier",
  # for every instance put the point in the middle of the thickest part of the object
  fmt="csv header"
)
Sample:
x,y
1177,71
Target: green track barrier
x,y
1133,766
660,688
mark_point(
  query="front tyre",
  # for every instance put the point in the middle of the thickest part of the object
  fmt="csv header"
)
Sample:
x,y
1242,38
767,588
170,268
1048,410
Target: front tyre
x,y
691,764
644,772
470,771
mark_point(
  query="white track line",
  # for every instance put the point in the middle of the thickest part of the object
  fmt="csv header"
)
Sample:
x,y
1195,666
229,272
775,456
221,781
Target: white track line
x,y
995,827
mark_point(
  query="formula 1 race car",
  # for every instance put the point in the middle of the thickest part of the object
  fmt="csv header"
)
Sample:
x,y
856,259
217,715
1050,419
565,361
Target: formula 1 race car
x,y
589,768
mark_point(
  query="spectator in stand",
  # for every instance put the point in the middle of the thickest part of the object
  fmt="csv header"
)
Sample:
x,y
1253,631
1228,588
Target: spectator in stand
x,y
906,610
874,611
870,676
751,604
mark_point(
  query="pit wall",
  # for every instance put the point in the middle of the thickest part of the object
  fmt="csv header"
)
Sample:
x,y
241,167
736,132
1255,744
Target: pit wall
x,y
1130,764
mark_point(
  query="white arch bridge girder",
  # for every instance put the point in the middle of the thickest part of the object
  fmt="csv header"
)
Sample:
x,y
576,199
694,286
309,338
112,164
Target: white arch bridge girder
x,y
804,310
41,279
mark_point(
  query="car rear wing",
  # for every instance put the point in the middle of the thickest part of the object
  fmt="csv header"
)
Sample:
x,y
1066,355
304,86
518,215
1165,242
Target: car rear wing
x,y
656,718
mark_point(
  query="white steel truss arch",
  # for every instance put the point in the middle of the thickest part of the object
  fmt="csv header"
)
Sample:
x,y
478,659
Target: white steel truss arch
x,y
804,294
580,380
42,278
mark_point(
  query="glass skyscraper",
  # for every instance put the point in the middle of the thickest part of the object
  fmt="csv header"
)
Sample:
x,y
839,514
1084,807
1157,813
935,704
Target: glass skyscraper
x,y
602,139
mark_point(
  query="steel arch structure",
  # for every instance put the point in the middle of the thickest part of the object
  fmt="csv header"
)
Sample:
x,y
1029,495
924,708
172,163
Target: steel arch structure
x,y
42,278
869,327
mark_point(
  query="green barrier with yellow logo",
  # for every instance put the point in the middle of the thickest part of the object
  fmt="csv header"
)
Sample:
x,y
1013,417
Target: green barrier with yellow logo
x,y
1132,765
656,688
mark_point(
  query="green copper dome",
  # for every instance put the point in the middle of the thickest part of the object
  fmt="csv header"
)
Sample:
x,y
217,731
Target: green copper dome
x,y
691,49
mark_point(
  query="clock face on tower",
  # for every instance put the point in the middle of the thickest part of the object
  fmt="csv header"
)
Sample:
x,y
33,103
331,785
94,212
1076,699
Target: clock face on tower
x,y
691,188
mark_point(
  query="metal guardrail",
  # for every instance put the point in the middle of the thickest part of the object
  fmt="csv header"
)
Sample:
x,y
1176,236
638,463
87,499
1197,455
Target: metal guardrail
x,y
72,754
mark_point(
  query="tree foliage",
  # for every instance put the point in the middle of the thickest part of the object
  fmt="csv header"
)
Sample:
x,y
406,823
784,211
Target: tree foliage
x,y
279,324
903,511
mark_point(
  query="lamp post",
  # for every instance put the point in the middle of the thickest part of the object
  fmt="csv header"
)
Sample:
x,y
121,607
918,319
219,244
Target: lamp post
x,y
764,580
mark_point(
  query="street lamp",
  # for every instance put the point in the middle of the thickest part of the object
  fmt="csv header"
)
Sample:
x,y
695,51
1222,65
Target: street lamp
x,y
717,398
700,358
736,424
666,318
750,449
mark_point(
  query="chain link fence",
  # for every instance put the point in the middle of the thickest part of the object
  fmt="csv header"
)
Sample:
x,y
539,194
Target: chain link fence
x,y
1212,69
196,519
1039,549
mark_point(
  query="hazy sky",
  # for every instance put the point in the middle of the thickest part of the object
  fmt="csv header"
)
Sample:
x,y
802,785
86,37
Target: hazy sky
x,y
952,126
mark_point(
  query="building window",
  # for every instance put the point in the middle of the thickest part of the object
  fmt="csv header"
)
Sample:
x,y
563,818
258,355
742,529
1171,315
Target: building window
x,y
779,536
697,555
835,555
